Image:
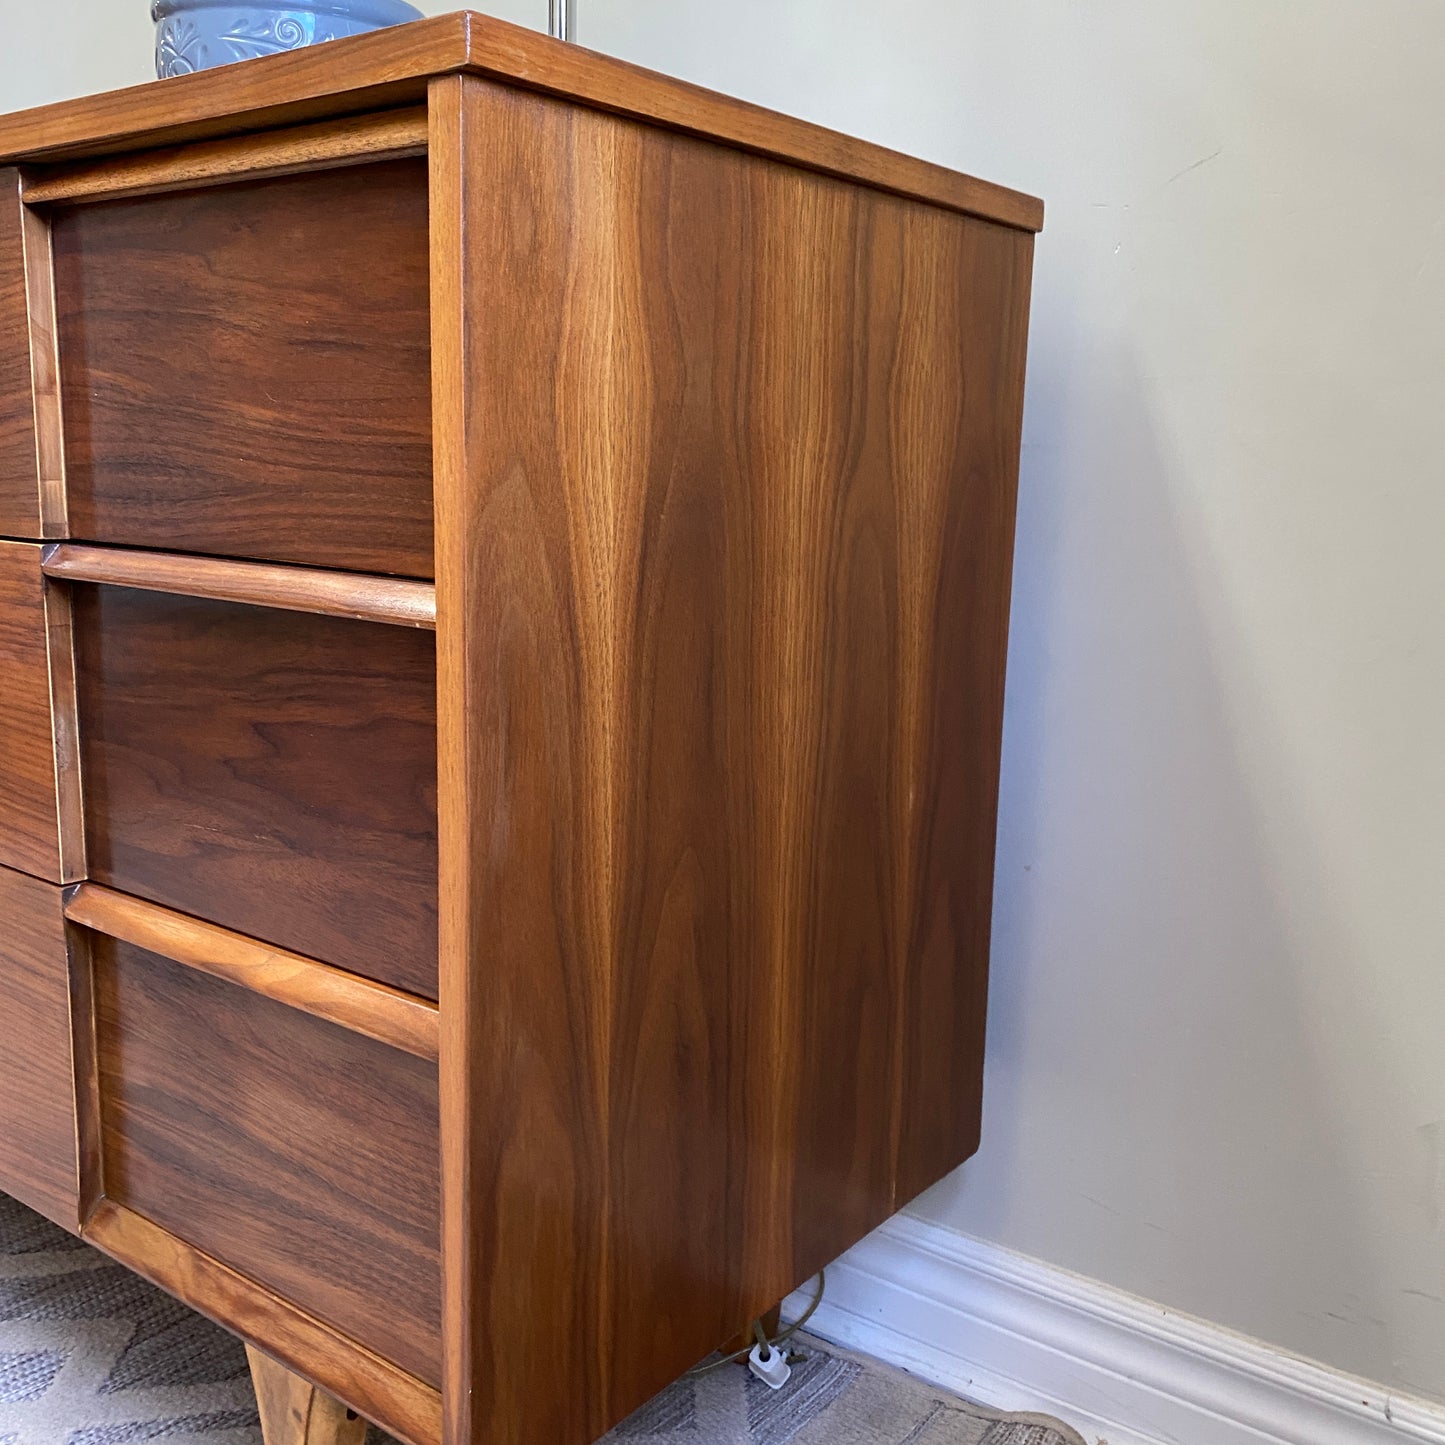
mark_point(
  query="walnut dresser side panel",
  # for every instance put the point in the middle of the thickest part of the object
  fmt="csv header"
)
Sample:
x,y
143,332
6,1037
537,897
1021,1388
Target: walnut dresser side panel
x,y
726,465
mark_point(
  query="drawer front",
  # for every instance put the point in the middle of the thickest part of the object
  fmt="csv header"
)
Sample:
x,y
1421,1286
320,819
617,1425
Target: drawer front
x,y
37,1097
246,369
39,790
273,772
299,1154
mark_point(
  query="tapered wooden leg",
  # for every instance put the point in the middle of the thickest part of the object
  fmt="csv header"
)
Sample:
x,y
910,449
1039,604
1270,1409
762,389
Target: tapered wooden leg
x,y
295,1412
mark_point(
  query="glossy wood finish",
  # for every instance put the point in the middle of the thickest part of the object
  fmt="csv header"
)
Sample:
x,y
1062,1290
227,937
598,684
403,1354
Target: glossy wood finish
x,y
40,806
371,1385
267,771
300,1154
392,68
294,1412
37,1121
245,369
390,135
725,523
725,414
396,1019
295,589
31,464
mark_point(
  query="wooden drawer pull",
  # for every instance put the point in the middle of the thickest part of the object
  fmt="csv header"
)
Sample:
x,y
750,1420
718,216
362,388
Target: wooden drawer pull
x,y
386,136
393,600
373,1009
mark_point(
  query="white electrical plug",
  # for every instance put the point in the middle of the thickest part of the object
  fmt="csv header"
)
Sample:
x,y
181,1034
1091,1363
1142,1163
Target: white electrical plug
x,y
773,1368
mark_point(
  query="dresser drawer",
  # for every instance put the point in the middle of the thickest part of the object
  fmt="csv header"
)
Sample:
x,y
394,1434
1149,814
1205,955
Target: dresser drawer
x,y
302,1155
245,370
39,790
270,771
37,1098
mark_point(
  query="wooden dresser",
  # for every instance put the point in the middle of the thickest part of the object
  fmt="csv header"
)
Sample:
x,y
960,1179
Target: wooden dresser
x,y
502,639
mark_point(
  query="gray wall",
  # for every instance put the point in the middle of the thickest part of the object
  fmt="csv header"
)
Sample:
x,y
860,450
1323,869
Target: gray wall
x,y
1216,1074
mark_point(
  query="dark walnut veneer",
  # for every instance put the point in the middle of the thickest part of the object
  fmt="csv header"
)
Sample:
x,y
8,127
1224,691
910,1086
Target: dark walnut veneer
x,y
271,771
245,370
299,1153
504,586
727,717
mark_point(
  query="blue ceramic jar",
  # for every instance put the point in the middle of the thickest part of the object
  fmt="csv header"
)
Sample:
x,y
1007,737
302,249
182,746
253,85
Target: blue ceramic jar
x,y
198,34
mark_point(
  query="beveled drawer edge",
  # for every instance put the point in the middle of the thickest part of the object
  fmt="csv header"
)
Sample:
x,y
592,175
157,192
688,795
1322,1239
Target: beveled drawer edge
x,y
398,601
44,371
359,1378
26,249
381,136
42,816
85,1068
362,1006
65,731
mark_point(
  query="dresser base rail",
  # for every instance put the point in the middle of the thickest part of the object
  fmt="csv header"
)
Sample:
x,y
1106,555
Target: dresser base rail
x,y
371,1386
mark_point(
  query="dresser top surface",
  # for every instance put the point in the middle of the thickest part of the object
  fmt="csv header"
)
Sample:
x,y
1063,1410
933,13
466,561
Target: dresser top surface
x,y
393,67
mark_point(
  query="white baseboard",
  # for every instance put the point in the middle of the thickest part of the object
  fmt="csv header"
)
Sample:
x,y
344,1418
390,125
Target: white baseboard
x,y
1020,1335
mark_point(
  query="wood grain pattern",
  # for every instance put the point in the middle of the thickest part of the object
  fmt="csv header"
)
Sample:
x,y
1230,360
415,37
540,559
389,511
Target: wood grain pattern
x,y
392,67
725,518
271,772
41,830
32,491
387,1015
295,1412
300,1154
37,1108
245,369
294,589
373,1387
388,135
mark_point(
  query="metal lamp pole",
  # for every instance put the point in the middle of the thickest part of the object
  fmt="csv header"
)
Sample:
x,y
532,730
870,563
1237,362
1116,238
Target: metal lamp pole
x,y
562,19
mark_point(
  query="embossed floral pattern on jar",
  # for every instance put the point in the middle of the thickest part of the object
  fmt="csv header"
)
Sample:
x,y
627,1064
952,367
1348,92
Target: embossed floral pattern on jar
x,y
194,35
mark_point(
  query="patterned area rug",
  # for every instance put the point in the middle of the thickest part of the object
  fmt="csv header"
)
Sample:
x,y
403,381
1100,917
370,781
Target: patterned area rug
x,y
92,1355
